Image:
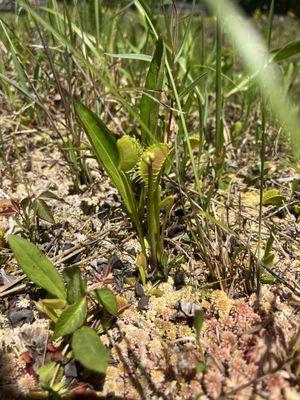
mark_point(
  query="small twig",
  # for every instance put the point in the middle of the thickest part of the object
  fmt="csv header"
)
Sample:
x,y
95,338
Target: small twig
x,y
13,290
9,285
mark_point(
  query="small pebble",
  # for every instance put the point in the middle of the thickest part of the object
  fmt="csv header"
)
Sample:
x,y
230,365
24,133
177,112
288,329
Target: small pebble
x,y
143,303
139,290
20,316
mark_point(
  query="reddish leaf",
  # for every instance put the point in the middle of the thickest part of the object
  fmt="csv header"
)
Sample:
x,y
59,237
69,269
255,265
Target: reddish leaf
x,y
84,393
51,347
9,207
26,357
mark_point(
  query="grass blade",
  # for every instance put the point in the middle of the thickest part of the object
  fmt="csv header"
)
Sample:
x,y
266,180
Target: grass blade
x,y
154,81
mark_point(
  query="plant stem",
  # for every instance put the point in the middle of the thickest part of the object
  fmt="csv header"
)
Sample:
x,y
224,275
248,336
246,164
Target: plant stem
x,y
219,141
152,227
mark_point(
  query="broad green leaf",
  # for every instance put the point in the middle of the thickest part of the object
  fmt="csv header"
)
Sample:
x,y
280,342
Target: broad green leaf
x,y
289,50
235,131
107,299
272,197
45,374
43,211
268,260
71,319
89,350
105,148
37,266
129,152
154,82
76,286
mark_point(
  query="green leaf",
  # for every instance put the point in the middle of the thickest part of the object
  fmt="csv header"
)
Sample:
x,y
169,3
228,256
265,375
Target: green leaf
x,y
105,148
149,108
106,322
268,261
131,56
270,242
141,263
184,42
266,278
43,308
89,350
71,319
192,85
296,210
54,304
19,67
200,368
43,211
289,50
50,195
45,374
166,202
198,322
76,286
272,197
37,266
107,299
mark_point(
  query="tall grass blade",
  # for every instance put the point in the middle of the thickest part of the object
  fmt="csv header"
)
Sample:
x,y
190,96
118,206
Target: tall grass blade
x,y
149,108
15,57
219,141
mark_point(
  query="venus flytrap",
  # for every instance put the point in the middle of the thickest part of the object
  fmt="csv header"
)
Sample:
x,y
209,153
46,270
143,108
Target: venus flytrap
x,y
136,168
136,173
150,168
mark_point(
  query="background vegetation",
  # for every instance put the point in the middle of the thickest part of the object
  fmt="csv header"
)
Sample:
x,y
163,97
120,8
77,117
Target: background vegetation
x,y
153,155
